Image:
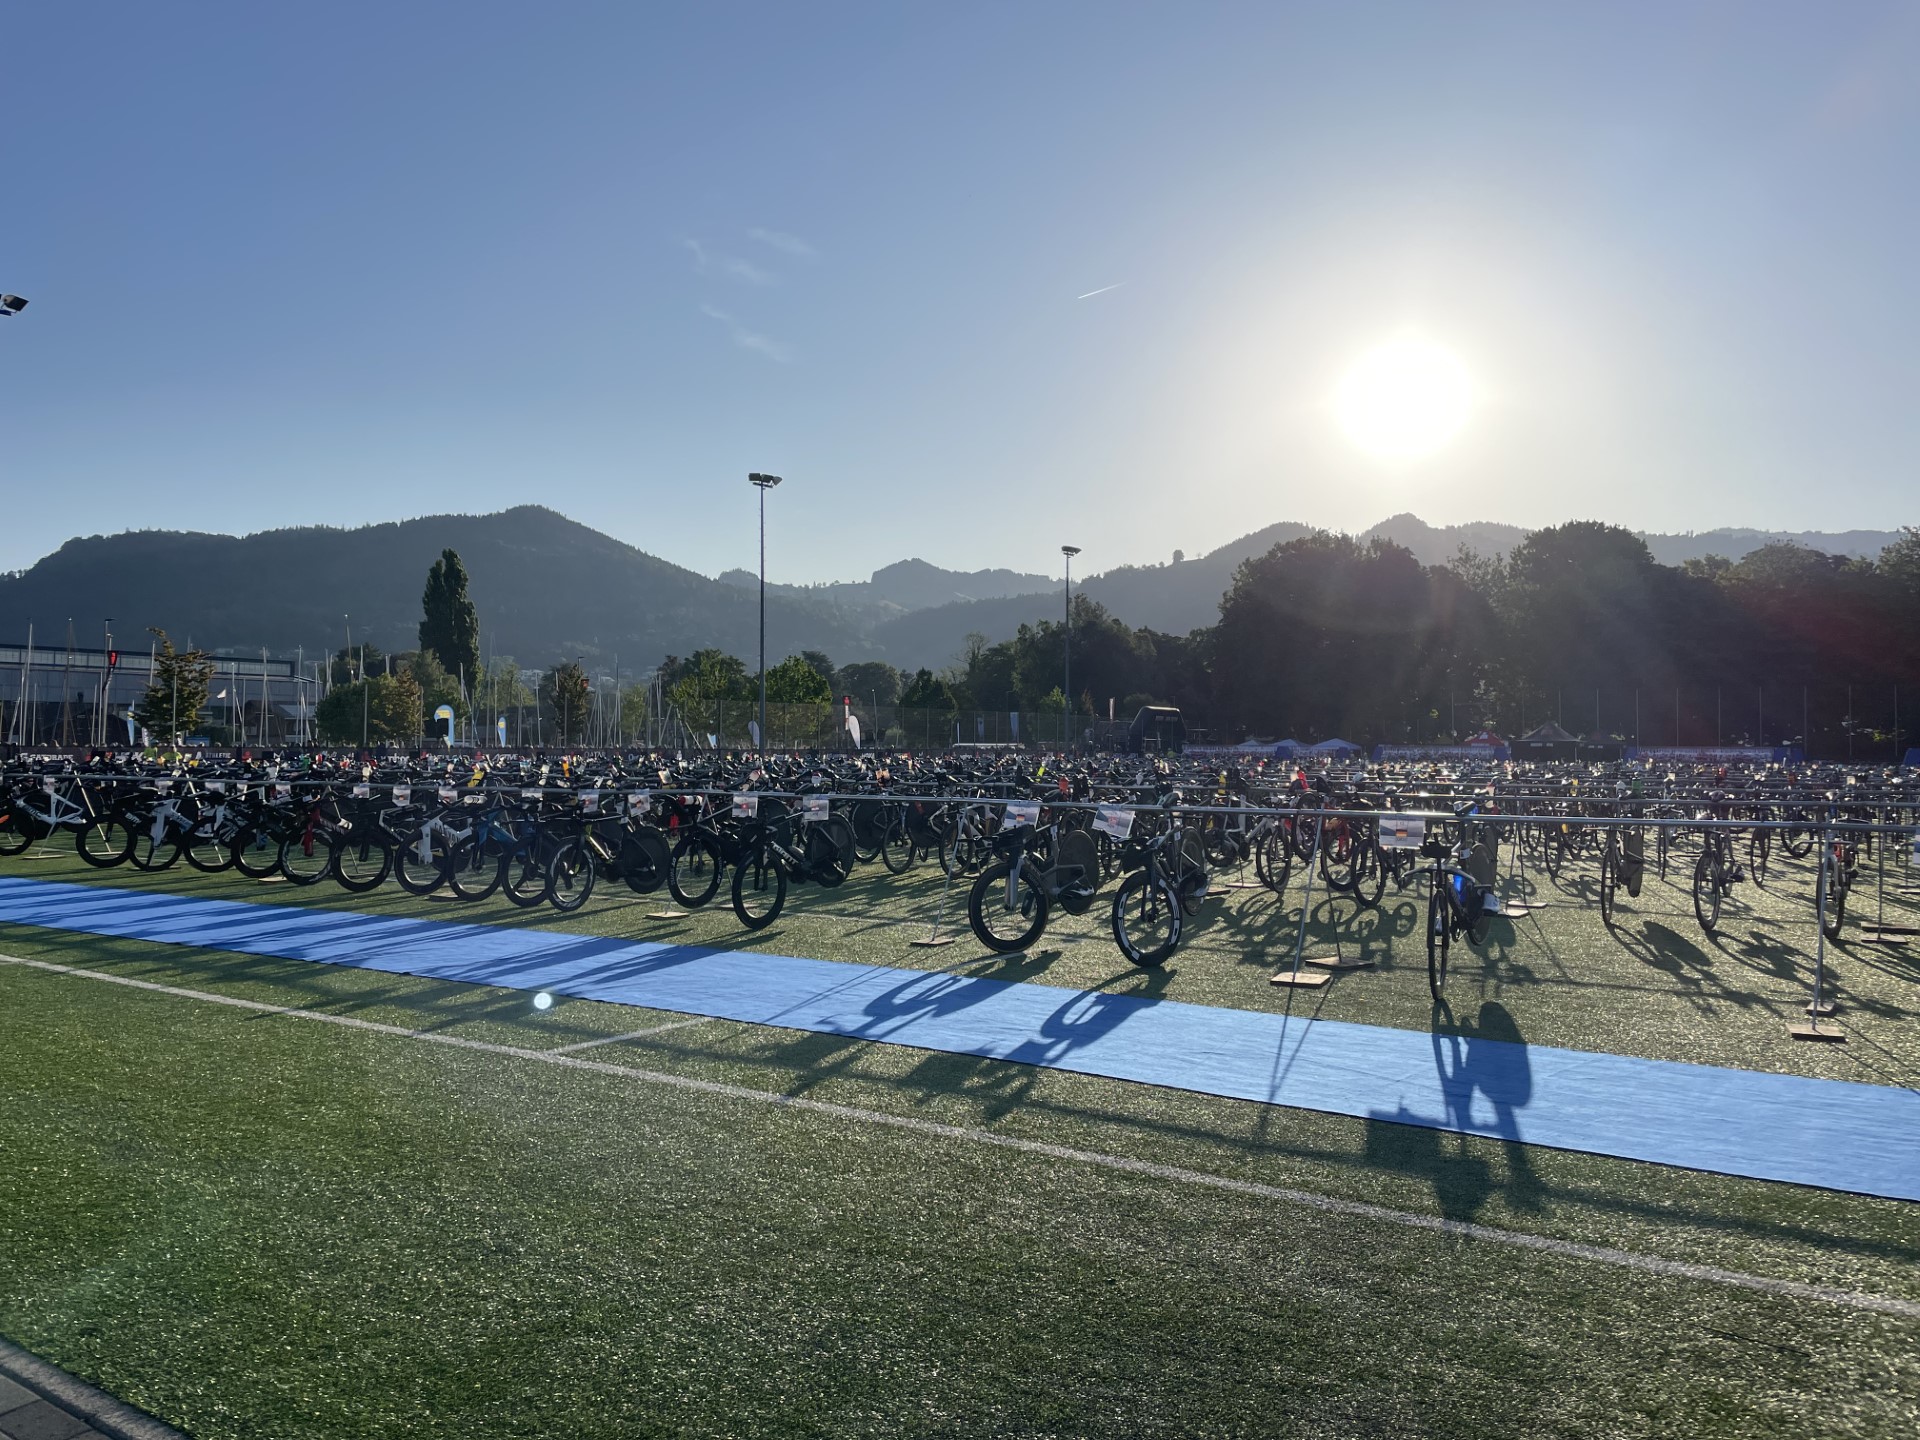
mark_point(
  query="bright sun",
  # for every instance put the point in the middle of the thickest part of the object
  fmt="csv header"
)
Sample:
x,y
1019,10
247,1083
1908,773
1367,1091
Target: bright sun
x,y
1405,399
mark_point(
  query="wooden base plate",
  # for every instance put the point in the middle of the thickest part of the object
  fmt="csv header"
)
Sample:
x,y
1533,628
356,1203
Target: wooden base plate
x,y
931,941
668,915
1304,980
1825,1034
1336,962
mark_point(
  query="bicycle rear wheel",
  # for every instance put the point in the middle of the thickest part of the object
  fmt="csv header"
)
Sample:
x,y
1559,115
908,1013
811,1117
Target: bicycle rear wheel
x,y
523,876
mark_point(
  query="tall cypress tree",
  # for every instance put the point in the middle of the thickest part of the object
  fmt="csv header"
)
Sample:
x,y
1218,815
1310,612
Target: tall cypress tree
x,y
450,626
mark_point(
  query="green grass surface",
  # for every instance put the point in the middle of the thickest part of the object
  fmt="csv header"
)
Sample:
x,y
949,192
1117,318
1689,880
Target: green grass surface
x,y
262,1226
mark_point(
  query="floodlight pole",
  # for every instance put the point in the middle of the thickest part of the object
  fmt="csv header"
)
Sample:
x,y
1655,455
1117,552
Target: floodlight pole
x,y
1066,710
763,483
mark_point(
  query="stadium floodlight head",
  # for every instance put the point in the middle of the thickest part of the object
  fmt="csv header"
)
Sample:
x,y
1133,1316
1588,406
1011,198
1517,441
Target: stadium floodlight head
x,y
765,482
1069,550
11,304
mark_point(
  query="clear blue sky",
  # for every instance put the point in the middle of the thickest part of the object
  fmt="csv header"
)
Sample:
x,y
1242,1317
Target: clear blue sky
x,y
338,263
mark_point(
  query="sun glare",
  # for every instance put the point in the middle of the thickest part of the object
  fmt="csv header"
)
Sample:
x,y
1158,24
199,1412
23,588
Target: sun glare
x,y
1405,399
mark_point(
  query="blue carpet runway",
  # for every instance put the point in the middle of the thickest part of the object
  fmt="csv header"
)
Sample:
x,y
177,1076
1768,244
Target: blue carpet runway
x,y
1830,1133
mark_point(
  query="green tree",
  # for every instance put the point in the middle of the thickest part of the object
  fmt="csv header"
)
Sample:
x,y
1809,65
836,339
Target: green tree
x,y
437,687
350,665
181,682
565,703
794,681
704,679
927,691
869,682
635,701
819,664
382,708
450,626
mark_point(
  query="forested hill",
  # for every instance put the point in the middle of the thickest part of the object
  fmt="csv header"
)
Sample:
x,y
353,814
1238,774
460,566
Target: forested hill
x,y
546,587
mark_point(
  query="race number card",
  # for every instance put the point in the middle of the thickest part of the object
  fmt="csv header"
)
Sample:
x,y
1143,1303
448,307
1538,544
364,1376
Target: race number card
x,y
1021,812
362,791
446,794
283,790
813,808
403,794
746,807
533,793
1113,820
1402,832
216,787
638,800
589,802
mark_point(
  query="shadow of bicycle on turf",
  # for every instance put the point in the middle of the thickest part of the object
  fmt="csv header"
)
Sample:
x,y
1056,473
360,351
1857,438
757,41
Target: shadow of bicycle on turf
x,y
1485,1079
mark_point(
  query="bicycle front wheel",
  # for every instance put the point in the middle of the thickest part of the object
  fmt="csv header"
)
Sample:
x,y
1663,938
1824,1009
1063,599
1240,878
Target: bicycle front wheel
x,y
1439,937
1147,919
1706,891
759,888
1005,922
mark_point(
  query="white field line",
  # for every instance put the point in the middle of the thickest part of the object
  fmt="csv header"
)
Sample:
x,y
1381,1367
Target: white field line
x,y
1598,1254
630,1035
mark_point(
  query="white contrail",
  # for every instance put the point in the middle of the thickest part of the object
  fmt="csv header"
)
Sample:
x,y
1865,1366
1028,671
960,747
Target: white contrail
x,y
1101,291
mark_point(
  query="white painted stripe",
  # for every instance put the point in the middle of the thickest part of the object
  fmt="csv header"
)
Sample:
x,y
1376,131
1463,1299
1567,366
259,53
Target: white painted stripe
x,y
631,1035
1598,1254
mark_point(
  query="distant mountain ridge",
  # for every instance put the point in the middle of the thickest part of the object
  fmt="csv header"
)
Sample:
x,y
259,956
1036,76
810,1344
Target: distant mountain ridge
x,y
549,588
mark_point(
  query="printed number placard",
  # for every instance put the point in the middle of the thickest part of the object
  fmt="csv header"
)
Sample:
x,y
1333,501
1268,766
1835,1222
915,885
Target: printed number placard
x,y
362,791
216,787
532,792
282,790
589,802
446,794
746,807
1402,832
1113,820
403,794
813,808
1021,812
638,799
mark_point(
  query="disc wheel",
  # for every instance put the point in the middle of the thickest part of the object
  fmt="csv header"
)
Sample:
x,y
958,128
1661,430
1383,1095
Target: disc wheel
x,y
1147,919
645,860
1006,924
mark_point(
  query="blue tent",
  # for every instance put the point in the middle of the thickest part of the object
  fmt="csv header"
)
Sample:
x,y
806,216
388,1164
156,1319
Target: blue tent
x,y
1287,749
1335,747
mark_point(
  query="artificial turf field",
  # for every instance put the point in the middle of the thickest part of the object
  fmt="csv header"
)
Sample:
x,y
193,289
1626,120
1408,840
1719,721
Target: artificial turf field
x,y
257,1224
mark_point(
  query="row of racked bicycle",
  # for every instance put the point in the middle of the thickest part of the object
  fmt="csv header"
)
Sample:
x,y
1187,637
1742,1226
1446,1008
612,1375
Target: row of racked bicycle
x,y
548,835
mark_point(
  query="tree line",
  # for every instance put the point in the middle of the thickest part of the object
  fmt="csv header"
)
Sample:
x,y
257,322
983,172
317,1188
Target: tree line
x,y
1321,636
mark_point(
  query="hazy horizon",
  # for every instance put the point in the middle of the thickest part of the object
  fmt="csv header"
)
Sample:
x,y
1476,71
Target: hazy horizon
x,y
977,283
